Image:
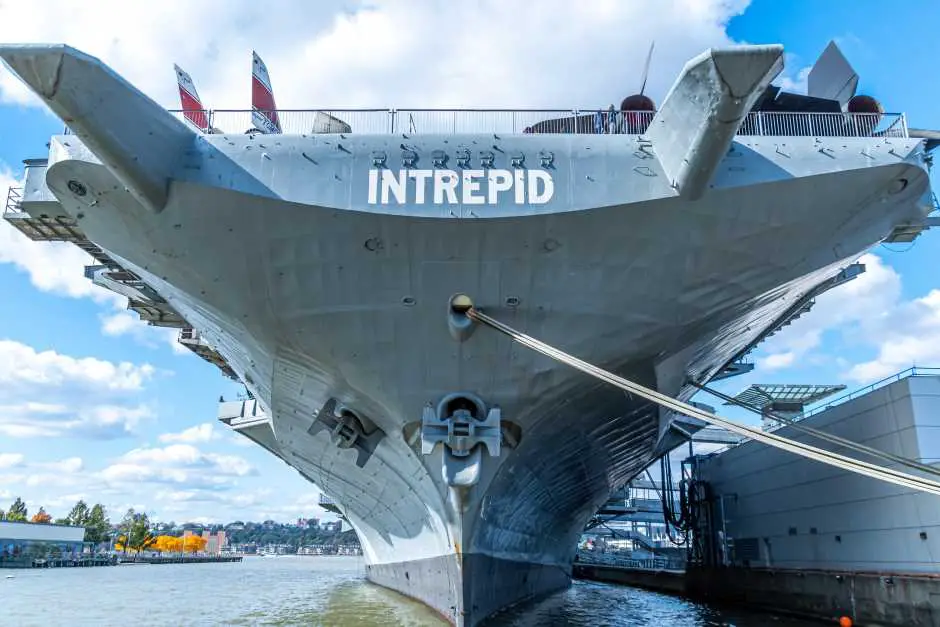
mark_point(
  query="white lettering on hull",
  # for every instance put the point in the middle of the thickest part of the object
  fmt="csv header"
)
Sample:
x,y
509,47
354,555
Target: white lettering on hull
x,y
467,187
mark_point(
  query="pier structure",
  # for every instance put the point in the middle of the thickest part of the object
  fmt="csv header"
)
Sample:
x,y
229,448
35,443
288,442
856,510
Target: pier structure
x,y
25,545
785,533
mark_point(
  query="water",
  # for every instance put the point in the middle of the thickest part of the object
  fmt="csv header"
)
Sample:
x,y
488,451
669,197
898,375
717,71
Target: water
x,y
314,591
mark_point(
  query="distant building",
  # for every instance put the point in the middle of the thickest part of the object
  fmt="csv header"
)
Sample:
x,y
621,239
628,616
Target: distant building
x,y
24,542
215,542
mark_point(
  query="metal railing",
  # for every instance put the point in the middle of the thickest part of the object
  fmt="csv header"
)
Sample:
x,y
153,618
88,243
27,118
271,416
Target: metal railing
x,y
571,121
913,371
773,124
14,203
620,561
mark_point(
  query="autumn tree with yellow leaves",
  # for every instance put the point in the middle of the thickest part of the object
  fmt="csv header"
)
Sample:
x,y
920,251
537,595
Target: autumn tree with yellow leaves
x,y
42,517
173,544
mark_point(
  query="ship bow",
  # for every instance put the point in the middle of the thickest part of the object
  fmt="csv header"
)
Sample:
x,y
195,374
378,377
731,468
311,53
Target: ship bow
x,y
468,589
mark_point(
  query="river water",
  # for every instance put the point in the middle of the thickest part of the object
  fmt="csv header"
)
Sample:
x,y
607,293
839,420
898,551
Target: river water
x,y
301,590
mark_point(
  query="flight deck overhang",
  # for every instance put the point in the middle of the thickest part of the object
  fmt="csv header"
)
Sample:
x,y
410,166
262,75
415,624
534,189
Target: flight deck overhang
x,y
247,417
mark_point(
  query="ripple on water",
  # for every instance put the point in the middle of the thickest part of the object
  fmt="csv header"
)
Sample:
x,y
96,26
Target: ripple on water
x,y
308,591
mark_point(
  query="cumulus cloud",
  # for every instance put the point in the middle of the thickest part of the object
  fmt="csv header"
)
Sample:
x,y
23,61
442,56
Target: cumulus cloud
x,y
9,460
905,336
85,397
68,465
178,464
871,295
128,324
199,433
59,268
795,82
383,53
869,313
56,267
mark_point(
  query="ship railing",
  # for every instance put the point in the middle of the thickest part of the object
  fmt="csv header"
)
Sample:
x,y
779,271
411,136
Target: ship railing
x,y
571,121
914,371
511,121
789,124
14,203
620,561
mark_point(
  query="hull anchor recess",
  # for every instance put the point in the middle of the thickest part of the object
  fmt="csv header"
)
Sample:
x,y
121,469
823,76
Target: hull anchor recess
x,y
348,430
464,426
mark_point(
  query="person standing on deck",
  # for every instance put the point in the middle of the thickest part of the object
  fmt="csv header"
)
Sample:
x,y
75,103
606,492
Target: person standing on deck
x,y
612,120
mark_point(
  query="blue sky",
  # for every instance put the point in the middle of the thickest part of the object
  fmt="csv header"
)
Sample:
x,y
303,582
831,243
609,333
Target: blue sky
x,y
96,405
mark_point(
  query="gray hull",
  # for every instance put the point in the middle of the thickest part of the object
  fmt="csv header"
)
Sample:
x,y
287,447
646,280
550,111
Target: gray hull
x,y
332,306
478,587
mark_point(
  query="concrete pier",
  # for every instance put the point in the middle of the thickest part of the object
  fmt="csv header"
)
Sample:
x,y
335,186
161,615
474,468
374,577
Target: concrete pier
x,y
886,600
671,581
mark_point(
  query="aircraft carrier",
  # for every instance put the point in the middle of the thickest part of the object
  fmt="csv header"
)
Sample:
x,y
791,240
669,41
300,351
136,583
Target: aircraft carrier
x,y
328,260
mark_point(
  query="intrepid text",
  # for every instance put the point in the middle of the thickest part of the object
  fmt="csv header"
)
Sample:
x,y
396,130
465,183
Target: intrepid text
x,y
467,187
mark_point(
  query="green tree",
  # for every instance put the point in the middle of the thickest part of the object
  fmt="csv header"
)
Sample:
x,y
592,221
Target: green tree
x,y
62,521
79,514
136,532
17,511
97,526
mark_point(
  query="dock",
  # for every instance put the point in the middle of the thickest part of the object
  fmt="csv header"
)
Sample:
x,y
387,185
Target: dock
x,y
775,532
178,559
117,560
655,575
57,562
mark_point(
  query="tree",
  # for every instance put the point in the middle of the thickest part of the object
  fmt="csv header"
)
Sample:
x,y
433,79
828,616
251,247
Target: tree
x,y
97,526
17,511
79,514
41,517
61,521
136,532
194,544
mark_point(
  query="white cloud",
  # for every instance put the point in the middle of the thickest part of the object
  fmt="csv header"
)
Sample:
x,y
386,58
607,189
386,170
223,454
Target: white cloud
x,y
383,53
180,464
907,335
10,460
22,365
199,433
85,397
126,323
777,361
869,313
56,267
872,294
59,268
68,465
794,82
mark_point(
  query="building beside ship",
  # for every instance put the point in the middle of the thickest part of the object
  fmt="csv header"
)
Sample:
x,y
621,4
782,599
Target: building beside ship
x,y
21,543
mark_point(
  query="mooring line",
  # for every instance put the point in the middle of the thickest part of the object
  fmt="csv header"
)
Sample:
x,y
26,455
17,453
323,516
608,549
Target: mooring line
x,y
822,435
827,457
